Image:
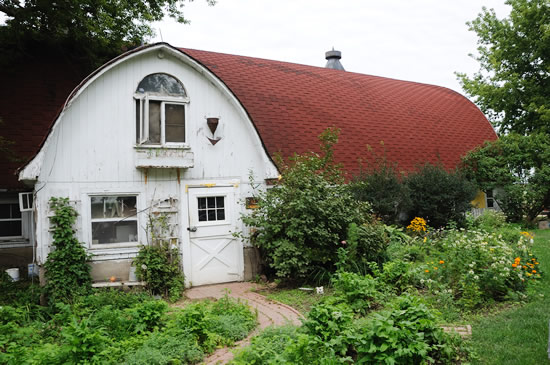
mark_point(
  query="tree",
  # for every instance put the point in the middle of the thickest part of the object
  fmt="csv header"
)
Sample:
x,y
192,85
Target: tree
x,y
92,30
518,167
438,195
300,223
512,86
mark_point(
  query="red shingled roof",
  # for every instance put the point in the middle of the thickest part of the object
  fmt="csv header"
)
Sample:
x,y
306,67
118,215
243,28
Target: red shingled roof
x,y
292,104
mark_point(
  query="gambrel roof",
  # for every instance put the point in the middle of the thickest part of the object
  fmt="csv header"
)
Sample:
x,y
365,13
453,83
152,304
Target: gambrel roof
x,y
289,104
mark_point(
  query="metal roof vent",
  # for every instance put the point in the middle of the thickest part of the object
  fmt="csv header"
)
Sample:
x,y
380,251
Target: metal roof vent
x,y
333,60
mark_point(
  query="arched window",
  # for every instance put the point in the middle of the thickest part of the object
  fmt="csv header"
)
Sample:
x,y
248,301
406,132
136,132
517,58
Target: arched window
x,y
161,103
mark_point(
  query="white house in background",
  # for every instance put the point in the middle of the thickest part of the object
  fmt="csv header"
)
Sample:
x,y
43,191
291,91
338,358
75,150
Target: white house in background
x,y
178,133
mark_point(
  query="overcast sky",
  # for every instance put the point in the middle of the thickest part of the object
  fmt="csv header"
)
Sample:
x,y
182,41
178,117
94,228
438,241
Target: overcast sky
x,y
417,40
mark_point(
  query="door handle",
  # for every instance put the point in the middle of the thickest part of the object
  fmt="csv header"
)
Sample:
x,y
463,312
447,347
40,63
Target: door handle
x,y
192,229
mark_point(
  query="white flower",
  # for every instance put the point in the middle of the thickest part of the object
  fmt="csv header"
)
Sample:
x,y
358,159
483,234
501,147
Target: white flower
x,y
471,272
144,267
476,277
336,315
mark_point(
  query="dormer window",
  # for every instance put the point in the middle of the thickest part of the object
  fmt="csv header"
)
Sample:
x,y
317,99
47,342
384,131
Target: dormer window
x,y
161,103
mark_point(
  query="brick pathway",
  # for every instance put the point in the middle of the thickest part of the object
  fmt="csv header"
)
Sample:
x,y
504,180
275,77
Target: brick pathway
x,y
269,312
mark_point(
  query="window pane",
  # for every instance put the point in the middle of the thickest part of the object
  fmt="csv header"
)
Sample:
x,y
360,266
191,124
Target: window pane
x,y
154,121
113,206
219,202
10,228
138,114
211,202
202,203
161,84
221,214
114,232
202,215
211,215
174,122
5,211
15,212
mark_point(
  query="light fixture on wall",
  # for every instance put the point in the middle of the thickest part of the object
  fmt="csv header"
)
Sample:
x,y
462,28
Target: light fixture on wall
x,y
213,125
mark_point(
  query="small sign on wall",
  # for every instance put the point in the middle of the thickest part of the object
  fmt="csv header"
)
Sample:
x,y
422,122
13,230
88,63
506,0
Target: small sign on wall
x,y
251,203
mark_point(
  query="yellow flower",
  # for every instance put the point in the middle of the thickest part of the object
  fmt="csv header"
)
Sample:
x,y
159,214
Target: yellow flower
x,y
425,239
426,270
435,267
534,271
441,262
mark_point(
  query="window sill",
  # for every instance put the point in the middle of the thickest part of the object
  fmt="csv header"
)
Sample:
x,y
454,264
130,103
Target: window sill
x,y
167,156
175,146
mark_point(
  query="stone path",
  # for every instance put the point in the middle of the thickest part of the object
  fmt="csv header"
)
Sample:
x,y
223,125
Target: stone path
x,y
269,312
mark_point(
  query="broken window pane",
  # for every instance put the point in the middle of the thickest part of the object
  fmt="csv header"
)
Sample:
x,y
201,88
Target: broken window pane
x,y
174,122
113,206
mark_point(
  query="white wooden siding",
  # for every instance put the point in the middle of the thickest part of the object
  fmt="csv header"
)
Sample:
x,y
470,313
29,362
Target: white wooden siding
x,y
91,148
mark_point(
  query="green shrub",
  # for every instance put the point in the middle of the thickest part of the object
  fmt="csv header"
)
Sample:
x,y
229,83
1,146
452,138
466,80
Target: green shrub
x,y
490,219
439,196
268,347
84,344
299,222
481,267
329,319
365,243
359,292
167,348
147,316
406,334
159,267
66,268
382,188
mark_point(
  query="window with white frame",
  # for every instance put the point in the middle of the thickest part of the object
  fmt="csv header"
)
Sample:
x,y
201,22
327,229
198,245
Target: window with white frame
x,y
114,219
11,222
161,103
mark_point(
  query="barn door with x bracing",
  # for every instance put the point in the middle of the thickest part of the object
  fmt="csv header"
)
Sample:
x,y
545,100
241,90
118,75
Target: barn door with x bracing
x,y
216,256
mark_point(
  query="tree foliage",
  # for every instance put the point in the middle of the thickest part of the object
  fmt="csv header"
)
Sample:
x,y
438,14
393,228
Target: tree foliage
x,y
518,167
438,195
512,86
94,30
300,223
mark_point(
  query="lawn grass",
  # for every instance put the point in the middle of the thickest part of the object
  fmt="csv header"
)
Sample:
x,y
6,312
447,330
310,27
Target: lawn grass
x,y
519,335
298,299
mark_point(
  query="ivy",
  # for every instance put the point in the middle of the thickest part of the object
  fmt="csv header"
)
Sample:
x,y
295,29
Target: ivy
x,y
66,269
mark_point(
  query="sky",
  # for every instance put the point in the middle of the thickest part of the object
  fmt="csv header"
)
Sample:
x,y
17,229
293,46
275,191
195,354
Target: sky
x,y
416,40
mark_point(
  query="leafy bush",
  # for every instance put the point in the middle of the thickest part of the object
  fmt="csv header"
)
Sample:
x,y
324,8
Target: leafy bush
x,y
438,195
329,319
480,267
365,243
299,223
359,292
159,267
268,347
381,187
167,348
406,334
66,268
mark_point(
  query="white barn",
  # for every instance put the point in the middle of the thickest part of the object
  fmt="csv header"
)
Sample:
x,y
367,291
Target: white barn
x,y
133,141
187,135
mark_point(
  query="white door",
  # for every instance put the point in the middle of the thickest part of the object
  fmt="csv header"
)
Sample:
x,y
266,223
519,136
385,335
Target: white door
x,y
216,256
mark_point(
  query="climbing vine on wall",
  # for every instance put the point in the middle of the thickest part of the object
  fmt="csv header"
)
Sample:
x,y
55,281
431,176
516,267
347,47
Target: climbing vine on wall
x,y
66,269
